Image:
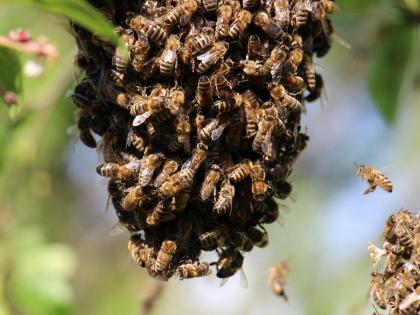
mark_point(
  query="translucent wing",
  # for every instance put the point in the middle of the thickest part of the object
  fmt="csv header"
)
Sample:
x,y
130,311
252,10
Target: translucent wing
x,y
185,19
267,145
276,71
243,279
140,119
205,56
72,130
169,56
217,132
146,175
129,135
223,282
117,229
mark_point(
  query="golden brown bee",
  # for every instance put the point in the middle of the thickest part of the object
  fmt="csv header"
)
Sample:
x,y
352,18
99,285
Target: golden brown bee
x,y
282,98
150,28
84,128
142,254
230,261
250,4
222,86
181,13
136,141
270,27
277,278
294,83
258,237
374,178
175,100
259,186
254,47
211,179
309,72
282,13
404,235
199,155
240,171
204,95
377,290
210,6
228,104
213,55
134,199
118,171
300,13
274,64
190,270
169,58
317,90
183,129
149,164
410,304
177,182
213,130
119,59
224,18
180,201
160,213
194,43
225,198
140,52
114,94
214,238
240,24
265,127
169,168
164,256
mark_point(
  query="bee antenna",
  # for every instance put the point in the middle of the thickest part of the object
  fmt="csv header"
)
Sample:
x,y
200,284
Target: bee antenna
x,y
355,164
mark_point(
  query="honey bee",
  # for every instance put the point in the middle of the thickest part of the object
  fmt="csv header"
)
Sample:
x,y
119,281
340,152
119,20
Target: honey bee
x,y
177,182
142,254
274,64
160,213
181,13
199,155
270,27
164,256
411,303
317,90
210,6
225,198
211,179
271,213
180,201
169,168
294,83
263,135
374,178
295,57
222,86
114,94
377,290
214,238
255,47
404,236
320,9
169,58
149,165
258,237
230,261
241,241
190,270
145,107
309,72
240,24
134,199
228,104
282,13
300,13
175,101
224,17
150,28
282,98
203,94
213,130
84,128
213,55
183,129
259,186
277,278
119,171
196,42
120,60
140,52
240,171
250,4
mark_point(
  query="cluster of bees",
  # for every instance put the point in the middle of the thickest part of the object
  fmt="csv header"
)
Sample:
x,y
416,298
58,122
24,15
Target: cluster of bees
x,y
200,121
396,282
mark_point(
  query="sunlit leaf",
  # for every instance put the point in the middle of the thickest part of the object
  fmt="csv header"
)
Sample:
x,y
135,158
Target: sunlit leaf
x,y
356,5
389,62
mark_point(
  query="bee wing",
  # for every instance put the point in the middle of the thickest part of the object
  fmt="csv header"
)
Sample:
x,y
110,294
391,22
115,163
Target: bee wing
x,y
243,279
143,38
160,179
140,119
187,145
117,229
223,282
187,164
216,133
308,5
169,56
276,71
267,144
284,207
184,20
72,130
129,135
206,57
146,175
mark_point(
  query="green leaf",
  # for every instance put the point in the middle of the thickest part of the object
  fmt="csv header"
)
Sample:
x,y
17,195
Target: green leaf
x,y
10,70
78,11
388,66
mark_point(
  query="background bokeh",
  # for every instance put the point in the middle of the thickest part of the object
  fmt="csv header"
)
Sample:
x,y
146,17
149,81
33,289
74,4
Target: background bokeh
x,y
58,250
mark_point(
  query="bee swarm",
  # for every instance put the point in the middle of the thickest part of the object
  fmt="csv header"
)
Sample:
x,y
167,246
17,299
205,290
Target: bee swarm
x,y
200,123
397,285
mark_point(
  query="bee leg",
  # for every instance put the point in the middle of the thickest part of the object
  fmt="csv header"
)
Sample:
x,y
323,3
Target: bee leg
x,y
370,189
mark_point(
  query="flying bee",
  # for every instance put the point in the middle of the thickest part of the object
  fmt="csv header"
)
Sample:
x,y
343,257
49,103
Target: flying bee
x,y
214,238
213,130
160,213
169,168
225,198
224,17
169,59
203,94
240,24
277,278
222,86
240,171
142,254
300,13
282,13
230,261
374,178
150,28
270,27
140,52
182,13
118,171
228,104
250,4
259,186
282,98
181,180
134,199
309,72
164,256
258,237
377,290
210,6
212,56
194,43
149,165
211,179
190,270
